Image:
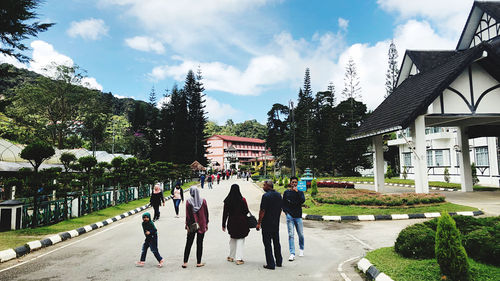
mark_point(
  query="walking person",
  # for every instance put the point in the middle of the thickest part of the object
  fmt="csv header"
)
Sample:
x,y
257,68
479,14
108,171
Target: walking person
x,y
196,212
235,213
269,221
156,200
209,181
151,241
177,196
202,180
292,207
218,178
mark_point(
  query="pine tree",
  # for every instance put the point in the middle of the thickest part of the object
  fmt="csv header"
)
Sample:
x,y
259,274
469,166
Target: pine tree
x,y
16,25
305,123
392,71
351,82
193,89
152,97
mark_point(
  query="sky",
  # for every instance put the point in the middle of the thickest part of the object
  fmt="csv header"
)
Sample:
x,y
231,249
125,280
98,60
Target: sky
x,y
252,53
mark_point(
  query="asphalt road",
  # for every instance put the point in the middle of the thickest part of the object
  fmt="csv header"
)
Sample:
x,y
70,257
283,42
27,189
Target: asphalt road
x,y
110,253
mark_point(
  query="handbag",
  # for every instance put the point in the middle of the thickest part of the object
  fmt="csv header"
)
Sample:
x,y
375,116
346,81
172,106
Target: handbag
x,y
251,220
193,227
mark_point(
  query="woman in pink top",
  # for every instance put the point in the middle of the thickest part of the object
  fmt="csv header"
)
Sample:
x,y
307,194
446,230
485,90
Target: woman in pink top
x,y
196,211
177,196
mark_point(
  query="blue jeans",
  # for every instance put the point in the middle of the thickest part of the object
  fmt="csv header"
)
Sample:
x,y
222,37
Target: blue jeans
x,y
151,242
292,222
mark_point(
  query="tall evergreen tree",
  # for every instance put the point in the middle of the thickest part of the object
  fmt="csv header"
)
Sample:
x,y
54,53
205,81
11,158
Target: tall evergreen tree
x,y
392,74
193,89
182,130
351,82
304,116
278,133
152,97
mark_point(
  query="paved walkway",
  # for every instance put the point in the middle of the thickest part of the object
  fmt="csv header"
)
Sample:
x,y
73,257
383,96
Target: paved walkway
x,y
110,252
486,201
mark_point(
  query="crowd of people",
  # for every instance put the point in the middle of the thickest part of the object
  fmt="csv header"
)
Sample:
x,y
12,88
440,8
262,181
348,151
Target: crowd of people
x,y
235,220
217,176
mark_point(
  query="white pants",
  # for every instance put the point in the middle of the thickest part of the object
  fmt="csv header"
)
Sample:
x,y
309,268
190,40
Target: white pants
x,y
236,248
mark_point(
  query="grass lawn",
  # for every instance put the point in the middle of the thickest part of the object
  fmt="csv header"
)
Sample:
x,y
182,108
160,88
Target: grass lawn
x,y
346,210
399,268
15,238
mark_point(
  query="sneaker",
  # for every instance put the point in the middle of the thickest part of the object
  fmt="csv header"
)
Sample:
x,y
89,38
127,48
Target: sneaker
x,y
301,253
139,264
292,257
161,263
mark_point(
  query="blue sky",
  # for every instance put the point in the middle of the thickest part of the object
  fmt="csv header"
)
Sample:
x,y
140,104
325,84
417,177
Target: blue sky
x,y
253,53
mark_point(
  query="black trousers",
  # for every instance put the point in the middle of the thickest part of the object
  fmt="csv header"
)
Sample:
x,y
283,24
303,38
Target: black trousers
x,y
199,246
157,211
267,237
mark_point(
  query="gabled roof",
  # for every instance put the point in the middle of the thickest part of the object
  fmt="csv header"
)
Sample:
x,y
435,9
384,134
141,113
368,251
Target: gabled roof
x,y
239,139
492,8
427,60
413,96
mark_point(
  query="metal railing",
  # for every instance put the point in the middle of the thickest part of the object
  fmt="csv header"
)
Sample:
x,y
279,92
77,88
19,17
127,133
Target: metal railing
x,y
49,212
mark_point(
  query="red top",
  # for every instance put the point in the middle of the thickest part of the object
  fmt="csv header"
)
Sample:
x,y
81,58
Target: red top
x,y
201,217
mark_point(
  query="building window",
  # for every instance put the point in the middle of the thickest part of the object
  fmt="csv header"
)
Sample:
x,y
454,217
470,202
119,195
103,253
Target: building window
x,y
482,156
407,159
429,158
438,156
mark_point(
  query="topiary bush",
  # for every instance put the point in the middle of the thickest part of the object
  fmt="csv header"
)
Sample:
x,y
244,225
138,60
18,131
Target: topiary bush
x,y
314,188
416,241
450,254
280,182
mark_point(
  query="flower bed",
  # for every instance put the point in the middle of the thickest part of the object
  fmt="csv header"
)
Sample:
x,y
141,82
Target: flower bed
x,y
335,184
371,198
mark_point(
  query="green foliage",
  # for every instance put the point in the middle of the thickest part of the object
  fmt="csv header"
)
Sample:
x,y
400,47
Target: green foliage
x,y
67,159
450,254
286,182
17,24
446,175
314,187
280,182
416,241
391,173
36,153
405,172
475,179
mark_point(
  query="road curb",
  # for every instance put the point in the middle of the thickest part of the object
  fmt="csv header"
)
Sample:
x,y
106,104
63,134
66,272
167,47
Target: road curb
x,y
29,247
386,217
372,273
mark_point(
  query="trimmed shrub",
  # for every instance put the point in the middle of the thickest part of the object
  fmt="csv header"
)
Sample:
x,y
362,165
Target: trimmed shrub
x,y
280,182
446,175
416,241
450,254
314,188
286,182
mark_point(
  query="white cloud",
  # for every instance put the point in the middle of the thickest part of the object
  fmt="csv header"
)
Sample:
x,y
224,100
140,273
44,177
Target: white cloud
x,y
44,56
90,29
447,15
146,44
343,23
219,112
184,25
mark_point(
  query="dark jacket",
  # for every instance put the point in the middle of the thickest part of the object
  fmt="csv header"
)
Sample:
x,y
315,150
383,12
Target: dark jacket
x,y
156,199
182,193
236,218
149,226
292,203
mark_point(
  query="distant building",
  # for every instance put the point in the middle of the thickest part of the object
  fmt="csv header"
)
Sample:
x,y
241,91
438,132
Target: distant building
x,y
229,152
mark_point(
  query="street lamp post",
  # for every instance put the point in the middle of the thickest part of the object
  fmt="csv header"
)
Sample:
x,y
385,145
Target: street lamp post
x,y
312,158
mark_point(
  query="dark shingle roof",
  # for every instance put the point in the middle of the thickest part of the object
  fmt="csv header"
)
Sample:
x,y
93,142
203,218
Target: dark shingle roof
x,y
426,60
492,8
412,97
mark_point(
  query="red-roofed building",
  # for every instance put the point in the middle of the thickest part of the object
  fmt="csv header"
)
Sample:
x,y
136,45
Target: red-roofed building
x,y
225,152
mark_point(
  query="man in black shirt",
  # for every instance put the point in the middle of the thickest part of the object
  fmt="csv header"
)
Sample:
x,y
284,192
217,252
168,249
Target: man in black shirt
x,y
292,206
269,221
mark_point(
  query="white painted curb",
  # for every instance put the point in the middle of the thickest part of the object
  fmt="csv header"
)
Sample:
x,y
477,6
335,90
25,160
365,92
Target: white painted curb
x,y
432,215
332,218
400,217
364,264
34,245
366,217
465,213
88,228
73,233
55,239
7,255
99,224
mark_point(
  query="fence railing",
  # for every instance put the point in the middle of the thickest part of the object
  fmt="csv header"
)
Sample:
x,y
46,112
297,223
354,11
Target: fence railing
x,y
49,212
96,202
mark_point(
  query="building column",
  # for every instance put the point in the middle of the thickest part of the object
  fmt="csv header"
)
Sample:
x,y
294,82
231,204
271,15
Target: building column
x,y
419,155
378,162
464,160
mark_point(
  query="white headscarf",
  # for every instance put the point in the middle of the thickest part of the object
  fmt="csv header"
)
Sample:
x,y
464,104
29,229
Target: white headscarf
x,y
196,201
